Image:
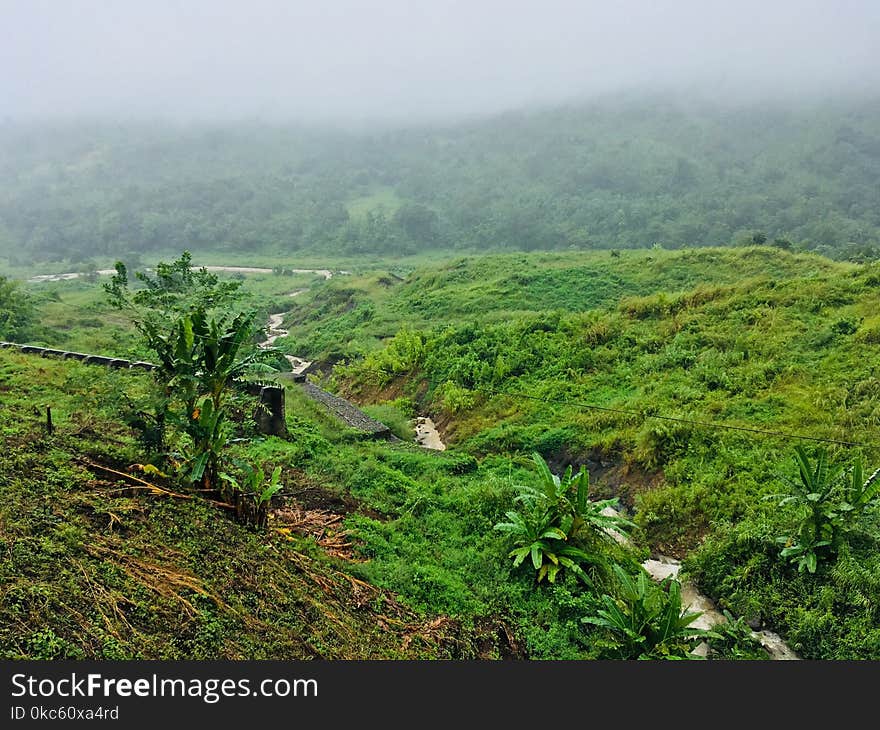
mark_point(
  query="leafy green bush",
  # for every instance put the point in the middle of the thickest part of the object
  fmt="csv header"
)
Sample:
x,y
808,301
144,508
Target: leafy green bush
x,y
830,504
16,311
553,518
647,620
734,639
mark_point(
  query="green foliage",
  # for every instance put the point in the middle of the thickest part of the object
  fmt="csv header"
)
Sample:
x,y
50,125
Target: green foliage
x,y
725,343
831,504
91,569
16,311
393,416
199,355
649,171
831,614
555,517
733,639
175,288
647,620
454,398
403,355
254,488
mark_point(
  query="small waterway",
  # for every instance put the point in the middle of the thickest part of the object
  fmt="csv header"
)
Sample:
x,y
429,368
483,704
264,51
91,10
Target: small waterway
x,y
663,567
427,435
66,277
298,364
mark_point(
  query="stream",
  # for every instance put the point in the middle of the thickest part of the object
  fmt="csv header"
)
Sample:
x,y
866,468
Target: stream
x,y
662,567
298,365
428,437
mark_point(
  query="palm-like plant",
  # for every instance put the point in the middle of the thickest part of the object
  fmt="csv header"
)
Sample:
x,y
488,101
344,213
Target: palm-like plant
x,y
646,620
198,359
557,514
831,500
815,492
567,499
536,537
859,493
253,485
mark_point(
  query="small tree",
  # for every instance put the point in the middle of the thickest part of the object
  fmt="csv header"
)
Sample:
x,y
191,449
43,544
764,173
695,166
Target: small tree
x,y
185,319
16,311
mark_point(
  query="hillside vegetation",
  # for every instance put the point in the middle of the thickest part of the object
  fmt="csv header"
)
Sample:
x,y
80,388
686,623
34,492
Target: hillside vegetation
x,y
747,338
381,548
614,173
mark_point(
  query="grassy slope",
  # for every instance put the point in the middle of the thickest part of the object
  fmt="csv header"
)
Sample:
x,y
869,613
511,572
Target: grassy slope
x,y
750,336
90,569
353,315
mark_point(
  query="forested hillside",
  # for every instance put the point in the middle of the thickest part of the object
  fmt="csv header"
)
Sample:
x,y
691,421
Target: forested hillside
x,y
614,173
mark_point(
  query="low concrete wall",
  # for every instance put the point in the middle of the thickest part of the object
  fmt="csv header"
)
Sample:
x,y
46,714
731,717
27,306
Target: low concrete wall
x,y
269,415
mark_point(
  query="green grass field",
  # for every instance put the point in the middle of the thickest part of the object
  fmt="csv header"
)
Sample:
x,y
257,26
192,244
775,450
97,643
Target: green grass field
x,y
508,354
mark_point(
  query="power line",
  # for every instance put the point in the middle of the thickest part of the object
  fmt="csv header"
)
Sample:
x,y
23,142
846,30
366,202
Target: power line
x,y
693,422
658,416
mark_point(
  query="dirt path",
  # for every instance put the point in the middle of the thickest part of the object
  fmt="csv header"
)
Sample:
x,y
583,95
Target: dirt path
x,y
326,273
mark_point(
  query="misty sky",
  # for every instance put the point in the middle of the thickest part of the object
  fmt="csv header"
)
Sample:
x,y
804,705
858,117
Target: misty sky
x,y
348,60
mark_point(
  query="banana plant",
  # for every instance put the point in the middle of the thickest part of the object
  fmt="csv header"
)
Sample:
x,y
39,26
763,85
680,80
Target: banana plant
x,y
814,494
859,493
209,432
199,358
647,621
831,503
556,516
567,500
545,544
254,488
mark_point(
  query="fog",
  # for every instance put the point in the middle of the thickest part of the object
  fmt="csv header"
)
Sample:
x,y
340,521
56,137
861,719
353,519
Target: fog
x,y
416,59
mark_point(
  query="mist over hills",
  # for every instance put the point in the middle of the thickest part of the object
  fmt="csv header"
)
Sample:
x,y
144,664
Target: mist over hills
x,y
619,171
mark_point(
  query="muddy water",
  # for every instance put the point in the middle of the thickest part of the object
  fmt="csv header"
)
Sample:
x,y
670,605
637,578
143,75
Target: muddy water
x,y
298,364
326,273
691,598
67,277
427,434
